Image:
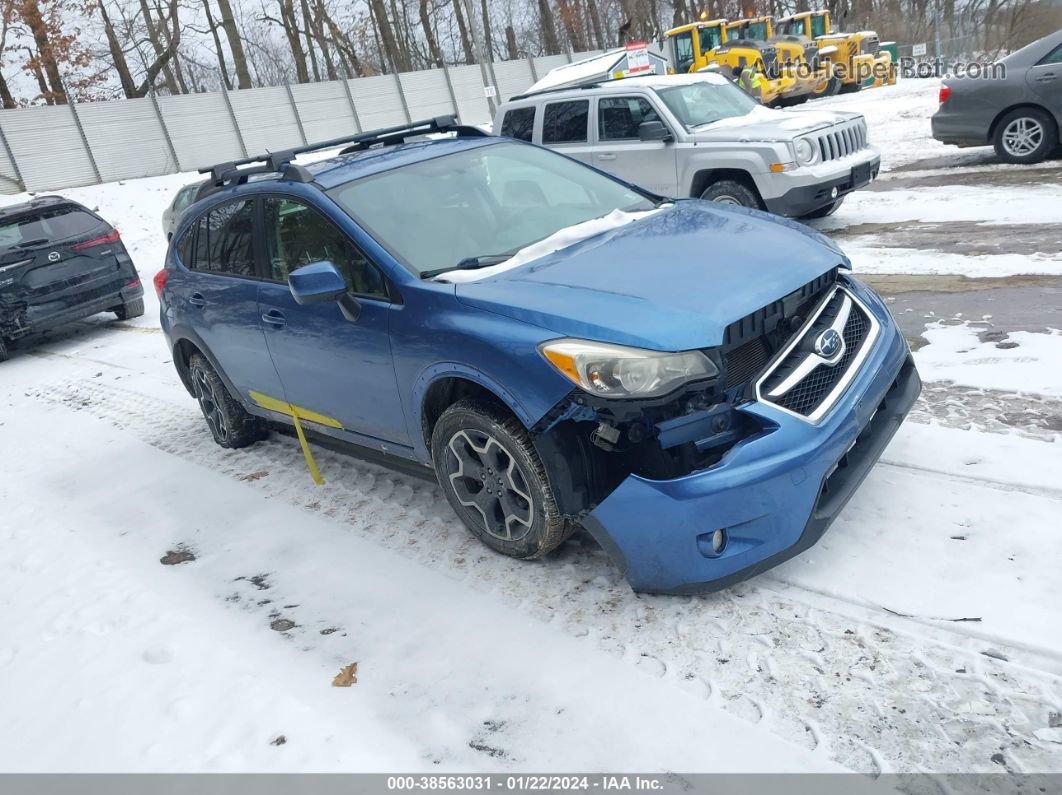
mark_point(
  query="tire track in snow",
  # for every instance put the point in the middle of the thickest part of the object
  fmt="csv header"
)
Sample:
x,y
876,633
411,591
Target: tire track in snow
x,y
872,698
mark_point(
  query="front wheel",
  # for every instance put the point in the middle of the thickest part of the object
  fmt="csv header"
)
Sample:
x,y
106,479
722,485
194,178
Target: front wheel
x,y
228,421
495,481
728,191
1025,135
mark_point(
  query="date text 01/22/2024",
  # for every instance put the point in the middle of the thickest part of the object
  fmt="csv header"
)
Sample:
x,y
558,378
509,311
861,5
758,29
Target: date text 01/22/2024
x,y
548,783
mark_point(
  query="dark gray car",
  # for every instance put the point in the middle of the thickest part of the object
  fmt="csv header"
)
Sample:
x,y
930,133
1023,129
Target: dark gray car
x,y
1019,113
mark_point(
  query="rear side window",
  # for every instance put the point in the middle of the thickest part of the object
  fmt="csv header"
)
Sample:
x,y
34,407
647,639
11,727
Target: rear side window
x,y
519,123
185,248
1055,56
225,240
565,122
47,225
185,196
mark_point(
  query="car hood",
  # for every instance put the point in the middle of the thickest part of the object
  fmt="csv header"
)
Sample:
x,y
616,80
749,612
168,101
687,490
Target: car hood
x,y
768,124
670,281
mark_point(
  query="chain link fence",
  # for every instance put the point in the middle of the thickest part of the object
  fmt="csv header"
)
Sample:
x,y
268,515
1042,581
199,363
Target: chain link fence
x,y
64,146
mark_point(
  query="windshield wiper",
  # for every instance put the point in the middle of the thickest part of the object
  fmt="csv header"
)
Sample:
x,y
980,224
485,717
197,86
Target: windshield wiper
x,y
28,243
468,264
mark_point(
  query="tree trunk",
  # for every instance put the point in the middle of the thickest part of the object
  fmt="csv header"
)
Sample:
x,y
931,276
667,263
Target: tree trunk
x,y
429,35
217,46
549,28
466,42
310,51
486,30
5,94
595,21
158,48
326,49
569,18
510,43
125,78
387,34
168,34
291,32
243,75
45,63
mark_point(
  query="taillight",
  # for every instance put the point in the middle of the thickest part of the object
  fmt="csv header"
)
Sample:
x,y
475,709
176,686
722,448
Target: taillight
x,y
160,281
945,92
99,241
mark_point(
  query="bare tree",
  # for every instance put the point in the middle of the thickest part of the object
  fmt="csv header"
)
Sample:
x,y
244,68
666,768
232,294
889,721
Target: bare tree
x,y
243,75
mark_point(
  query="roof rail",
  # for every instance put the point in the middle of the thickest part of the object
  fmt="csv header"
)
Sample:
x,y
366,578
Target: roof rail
x,y
593,82
281,161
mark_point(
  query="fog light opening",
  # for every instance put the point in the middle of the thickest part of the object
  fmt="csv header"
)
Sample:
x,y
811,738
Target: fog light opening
x,y
718,542
833,193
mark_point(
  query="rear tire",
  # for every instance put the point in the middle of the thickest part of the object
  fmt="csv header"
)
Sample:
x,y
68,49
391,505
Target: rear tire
x,y
495,480
228,421
130,309
822,212
1025,135
729,191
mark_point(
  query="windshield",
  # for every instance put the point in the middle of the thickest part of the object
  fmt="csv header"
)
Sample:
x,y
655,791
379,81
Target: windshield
x,y
45,225
757,31
710,38
705,102
480,203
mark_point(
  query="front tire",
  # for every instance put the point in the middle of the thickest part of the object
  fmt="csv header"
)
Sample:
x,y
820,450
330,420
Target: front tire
x,y
495,480
728,191
130,309
1025,135
228,421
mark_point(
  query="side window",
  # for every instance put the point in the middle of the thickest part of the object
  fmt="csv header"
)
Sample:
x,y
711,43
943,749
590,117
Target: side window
x,y
618,117
298,235
519,123
225,240
1055,56
565,122
185,250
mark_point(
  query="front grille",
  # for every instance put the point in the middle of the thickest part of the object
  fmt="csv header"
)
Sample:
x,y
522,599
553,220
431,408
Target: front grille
x,y
842,140
745,361
765,319
808,396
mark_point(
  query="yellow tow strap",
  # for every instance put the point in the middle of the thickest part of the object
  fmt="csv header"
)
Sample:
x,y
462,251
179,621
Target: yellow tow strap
x,y
296,413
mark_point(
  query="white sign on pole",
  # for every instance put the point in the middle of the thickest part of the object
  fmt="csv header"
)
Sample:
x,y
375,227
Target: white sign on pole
x,y
637,58
918,50
490,91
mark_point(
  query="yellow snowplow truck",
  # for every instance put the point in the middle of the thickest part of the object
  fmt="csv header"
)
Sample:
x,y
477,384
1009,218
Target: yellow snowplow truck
x,y
856,58
798,56
704,46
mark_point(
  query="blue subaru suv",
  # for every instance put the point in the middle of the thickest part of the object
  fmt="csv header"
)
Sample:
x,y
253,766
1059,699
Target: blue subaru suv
x,y
702,388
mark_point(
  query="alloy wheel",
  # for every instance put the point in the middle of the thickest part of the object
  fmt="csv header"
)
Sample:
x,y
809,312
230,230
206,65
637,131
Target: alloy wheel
x,y
1022,137
208,402
485,477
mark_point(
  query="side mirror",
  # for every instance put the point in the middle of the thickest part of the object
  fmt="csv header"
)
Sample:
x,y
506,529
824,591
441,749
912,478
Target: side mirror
x,y
317,282
654,131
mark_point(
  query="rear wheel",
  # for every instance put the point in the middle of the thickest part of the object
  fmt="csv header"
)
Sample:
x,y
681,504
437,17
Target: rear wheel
x,y
130,309
495,481
228,421
729,191
1025,135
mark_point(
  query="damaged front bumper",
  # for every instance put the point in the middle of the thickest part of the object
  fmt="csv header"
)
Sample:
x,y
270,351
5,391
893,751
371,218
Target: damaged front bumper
x,y
773,495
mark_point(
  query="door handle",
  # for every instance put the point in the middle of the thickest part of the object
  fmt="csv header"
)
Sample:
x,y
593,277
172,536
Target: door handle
x,y
1047,77
197,299
274,317
606,156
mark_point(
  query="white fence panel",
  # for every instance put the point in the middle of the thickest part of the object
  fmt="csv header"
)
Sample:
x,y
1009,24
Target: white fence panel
x,y
472,104
426,94
377,101
48,147
514,77
201,129
9,182
546,62
266,118
325,110
127,139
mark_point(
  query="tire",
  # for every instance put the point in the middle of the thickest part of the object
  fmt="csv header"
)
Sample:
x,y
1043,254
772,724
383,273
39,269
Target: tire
x,y
851,88
822,212
833,87
229,424
729,191
1025,135
479,447
130,309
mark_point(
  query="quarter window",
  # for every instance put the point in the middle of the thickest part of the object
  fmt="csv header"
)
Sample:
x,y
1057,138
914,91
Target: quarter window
x,y
519,123
618,117
1055,56
299,235
225,240
565,122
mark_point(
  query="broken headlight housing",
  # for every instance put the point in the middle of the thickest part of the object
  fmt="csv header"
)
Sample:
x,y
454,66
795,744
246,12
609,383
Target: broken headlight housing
x,y
621,372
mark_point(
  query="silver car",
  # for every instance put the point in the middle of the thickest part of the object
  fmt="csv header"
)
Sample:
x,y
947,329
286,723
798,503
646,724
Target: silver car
x,y
701,136
181,200
1018,110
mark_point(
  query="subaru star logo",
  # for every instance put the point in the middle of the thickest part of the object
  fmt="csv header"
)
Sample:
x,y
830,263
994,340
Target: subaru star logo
x,y
828,343
53,257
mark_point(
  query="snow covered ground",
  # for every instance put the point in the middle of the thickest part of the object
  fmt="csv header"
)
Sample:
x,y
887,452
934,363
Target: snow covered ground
x,y
170,605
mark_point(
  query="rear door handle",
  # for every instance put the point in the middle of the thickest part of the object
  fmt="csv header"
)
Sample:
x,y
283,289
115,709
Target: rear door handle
x,y
274,317
1047,77
197,299
606,156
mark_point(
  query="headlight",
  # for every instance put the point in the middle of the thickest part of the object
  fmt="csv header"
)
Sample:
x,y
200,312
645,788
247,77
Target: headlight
x,y
618,371
806,152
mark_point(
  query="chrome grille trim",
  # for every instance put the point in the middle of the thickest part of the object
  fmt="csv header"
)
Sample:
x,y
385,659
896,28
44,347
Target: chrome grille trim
x,y
831,398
